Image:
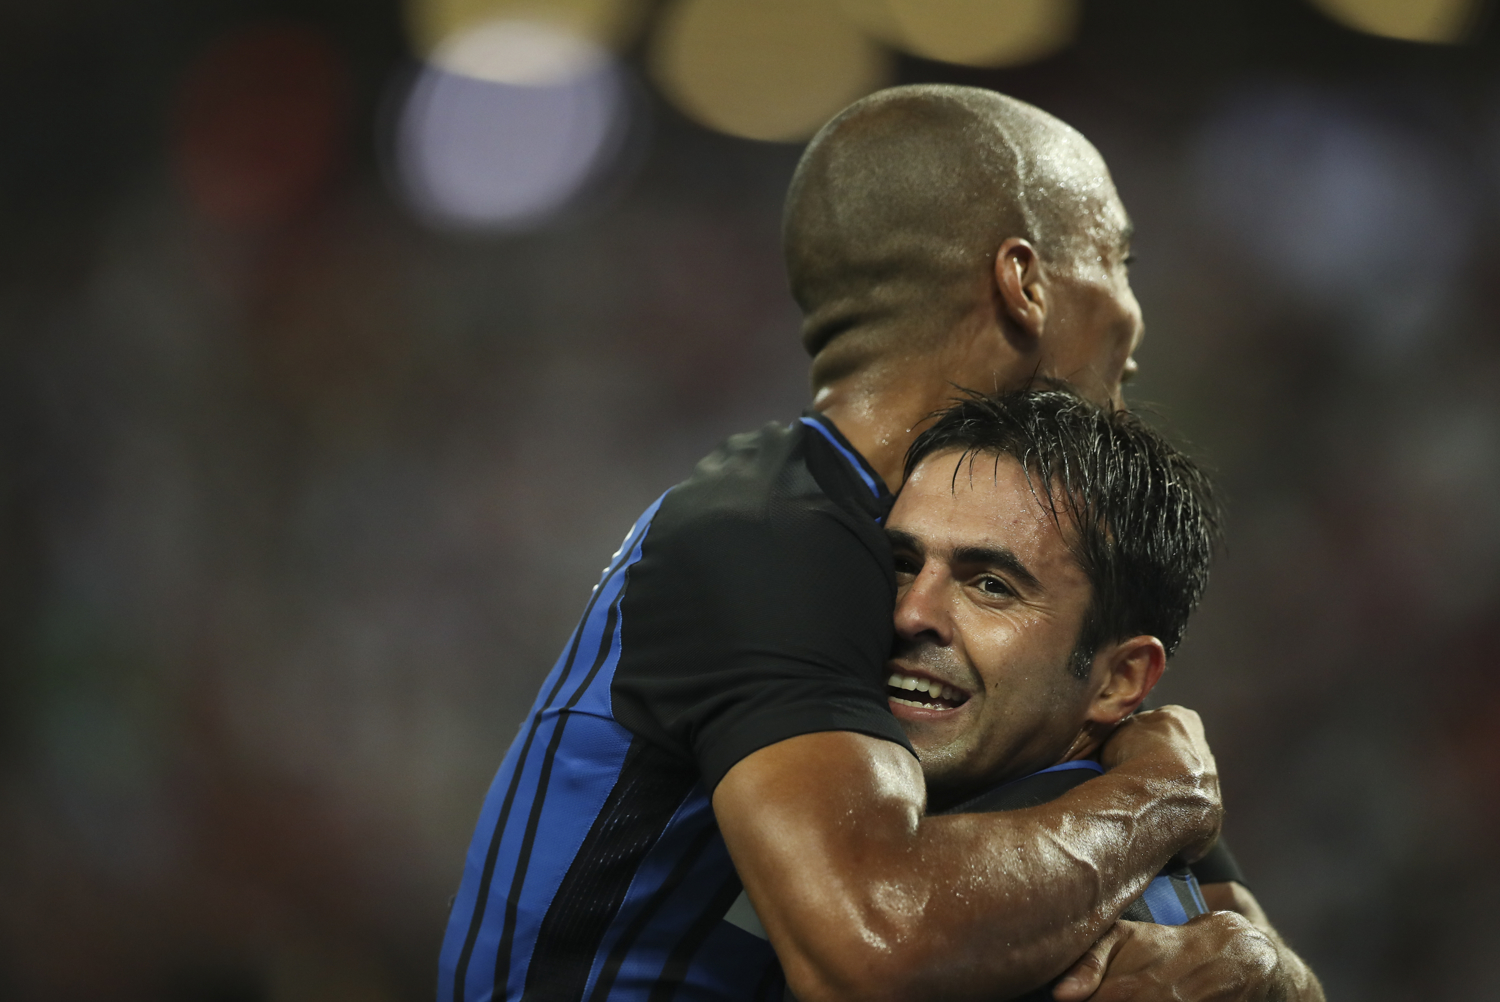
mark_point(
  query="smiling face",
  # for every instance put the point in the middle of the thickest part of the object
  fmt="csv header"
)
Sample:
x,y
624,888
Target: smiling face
x,y
989,606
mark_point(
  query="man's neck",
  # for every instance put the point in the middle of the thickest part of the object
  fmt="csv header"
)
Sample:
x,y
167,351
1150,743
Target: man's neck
x,y
883,405
880,424
882,410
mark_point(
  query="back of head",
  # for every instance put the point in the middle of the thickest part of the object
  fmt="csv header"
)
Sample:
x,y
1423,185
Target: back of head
x,y
900,203
1142,515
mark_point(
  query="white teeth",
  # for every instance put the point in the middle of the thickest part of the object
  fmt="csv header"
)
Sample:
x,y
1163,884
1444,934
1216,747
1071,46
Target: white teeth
x,y
933,688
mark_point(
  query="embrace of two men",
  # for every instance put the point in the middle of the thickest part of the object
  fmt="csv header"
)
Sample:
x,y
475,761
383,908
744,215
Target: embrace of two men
x,y
812,738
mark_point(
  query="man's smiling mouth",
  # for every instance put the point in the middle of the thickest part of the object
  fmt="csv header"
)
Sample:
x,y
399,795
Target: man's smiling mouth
x,y
923,693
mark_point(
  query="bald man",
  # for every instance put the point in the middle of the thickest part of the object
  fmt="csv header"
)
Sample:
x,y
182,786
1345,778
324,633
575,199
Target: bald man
x,y
719,721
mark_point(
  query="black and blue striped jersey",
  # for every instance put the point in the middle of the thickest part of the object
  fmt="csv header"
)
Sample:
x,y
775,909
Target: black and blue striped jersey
x,y
750,604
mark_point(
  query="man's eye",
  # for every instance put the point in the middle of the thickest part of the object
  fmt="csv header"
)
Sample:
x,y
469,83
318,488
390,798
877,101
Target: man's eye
x,y
993,586
906,565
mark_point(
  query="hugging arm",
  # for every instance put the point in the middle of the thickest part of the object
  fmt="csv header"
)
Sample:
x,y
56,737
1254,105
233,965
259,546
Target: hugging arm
x,y
1232,953
866,897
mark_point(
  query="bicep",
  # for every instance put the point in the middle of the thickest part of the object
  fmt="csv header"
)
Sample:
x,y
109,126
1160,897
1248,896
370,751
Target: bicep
x,y
738,634
805,820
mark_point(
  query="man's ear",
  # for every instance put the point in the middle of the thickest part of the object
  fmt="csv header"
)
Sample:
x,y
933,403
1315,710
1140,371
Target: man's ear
x,y
1129,670
1018,277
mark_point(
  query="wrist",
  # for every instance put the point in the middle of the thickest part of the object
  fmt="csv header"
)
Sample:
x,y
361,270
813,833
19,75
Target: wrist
x,y
1180,798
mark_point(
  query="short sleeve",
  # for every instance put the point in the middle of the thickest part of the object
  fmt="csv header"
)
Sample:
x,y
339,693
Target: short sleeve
x,y
742,626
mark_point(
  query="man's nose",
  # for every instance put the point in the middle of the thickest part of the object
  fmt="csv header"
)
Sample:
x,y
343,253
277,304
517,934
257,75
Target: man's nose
x,y
922,607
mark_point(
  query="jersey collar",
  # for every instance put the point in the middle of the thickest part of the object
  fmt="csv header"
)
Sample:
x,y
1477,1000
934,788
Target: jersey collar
x,y
872,480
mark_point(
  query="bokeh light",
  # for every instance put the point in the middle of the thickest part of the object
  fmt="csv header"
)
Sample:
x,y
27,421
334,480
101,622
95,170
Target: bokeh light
x,y
771,69
970,32
605,22
524,53
1410,20
261,124
507,125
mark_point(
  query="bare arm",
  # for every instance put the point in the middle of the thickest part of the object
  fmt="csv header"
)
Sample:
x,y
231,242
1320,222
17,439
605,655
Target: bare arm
x,y
1291,978
865,897
1232,953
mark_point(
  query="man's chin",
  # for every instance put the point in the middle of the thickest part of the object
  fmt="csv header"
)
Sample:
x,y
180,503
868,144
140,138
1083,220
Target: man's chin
x,y
931,730
937,716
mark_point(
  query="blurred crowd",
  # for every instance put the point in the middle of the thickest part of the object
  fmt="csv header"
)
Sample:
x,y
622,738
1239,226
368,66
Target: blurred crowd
x,y
314,445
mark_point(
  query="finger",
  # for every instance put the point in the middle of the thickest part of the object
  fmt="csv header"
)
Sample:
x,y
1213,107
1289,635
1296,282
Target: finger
x,y
1084,978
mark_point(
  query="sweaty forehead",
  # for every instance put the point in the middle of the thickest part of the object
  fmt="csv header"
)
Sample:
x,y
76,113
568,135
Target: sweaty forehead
x,y
1071,178
1074,169
955,499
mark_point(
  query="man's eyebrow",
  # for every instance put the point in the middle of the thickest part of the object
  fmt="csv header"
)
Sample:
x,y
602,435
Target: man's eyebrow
x,y
999,558
904,540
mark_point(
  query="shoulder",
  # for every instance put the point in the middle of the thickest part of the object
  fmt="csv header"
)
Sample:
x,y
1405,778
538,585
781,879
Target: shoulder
x,y
744,474
766,495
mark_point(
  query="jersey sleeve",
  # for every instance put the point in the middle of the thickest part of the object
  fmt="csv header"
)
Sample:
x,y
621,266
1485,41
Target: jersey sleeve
x,y
740,630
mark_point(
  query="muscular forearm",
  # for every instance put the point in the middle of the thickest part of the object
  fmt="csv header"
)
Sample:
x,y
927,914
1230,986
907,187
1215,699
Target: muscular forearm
x,y
1054,877
889,904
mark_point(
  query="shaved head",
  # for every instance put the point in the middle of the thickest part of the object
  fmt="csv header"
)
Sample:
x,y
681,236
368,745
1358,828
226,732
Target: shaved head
x,y
900,204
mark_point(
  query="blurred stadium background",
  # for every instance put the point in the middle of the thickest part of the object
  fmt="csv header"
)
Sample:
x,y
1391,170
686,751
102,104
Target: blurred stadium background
x,y
343,340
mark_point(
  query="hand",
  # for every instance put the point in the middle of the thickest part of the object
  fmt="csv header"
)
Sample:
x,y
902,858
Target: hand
x,y
1171,743
1216,957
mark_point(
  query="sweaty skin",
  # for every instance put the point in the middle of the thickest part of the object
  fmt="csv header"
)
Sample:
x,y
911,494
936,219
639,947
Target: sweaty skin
x,y
866,897
942,237
989,602
1232,953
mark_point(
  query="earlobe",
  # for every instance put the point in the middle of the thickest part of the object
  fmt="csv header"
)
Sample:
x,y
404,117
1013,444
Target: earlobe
x,y
1018,281
1132,669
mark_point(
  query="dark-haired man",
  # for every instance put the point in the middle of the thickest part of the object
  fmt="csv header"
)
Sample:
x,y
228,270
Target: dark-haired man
x,y
1048,556
720,712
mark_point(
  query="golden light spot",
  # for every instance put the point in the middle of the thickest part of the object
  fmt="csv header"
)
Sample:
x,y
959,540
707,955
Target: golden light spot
x,y
604,22
764,69
970,32
1439,21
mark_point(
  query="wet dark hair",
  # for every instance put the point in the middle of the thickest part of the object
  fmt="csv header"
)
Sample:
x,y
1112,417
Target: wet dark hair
x,y
1144,516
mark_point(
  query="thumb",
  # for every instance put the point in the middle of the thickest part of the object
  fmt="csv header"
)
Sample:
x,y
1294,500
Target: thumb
x,y
1084,977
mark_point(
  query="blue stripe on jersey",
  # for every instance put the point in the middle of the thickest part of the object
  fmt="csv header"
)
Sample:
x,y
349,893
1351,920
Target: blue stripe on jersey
x,y
670,864
854,460
1162,900
686,885
1082,763
530,826
1197,890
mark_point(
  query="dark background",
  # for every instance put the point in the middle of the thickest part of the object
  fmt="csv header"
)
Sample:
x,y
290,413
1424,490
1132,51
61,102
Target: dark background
x,y
298,506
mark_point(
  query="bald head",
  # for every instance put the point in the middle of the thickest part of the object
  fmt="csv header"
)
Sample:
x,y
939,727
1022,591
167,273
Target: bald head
x,y
900,204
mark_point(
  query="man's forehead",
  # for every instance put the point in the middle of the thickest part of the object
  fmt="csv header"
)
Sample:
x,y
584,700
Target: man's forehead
x,y
958,497
1112,222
